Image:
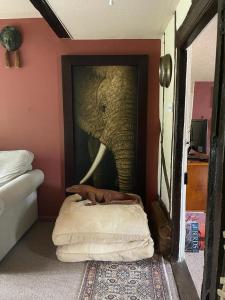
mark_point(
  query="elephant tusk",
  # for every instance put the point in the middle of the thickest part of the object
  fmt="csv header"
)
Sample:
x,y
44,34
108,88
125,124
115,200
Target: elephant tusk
x,y
96,162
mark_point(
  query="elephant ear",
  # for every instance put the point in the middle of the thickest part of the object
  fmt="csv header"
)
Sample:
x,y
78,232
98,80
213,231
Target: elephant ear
x,y
120,91
87,108
120,131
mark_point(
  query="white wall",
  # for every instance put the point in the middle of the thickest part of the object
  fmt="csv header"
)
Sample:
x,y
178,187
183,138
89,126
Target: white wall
x,y
181,11
167,110
203,48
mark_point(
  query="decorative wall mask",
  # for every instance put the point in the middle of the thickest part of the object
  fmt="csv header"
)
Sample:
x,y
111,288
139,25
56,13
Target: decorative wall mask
x,y
165,70
11,39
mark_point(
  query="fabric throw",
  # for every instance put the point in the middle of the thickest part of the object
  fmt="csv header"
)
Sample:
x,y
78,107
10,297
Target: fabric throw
x,y
14,163
101,232
141,280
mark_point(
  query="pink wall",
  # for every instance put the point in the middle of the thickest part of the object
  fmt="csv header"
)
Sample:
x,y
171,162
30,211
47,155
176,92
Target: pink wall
x,y
31,103
202,105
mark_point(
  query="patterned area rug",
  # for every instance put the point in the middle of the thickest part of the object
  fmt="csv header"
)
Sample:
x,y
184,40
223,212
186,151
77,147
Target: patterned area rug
x,y
142,280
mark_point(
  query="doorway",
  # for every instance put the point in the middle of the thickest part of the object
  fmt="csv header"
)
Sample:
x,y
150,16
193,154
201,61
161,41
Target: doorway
x,y
200,14
201,56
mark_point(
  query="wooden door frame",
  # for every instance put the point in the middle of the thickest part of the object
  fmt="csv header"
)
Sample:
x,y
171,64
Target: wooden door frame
x,y
197,18
199,15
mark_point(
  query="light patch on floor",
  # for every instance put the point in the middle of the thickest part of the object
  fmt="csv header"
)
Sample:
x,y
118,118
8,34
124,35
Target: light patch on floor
x,y
195,263
31,271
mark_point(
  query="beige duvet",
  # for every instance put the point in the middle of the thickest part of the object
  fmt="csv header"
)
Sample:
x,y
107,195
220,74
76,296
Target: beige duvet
x,y
101,232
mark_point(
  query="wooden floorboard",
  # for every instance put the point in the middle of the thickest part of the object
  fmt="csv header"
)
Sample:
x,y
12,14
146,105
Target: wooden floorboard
x,y
184,282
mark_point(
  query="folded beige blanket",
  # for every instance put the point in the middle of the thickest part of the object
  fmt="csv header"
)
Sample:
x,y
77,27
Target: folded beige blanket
x,y
104,232
128,251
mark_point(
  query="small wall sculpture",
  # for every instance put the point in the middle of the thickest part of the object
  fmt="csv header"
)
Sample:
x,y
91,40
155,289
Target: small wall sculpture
x,y
165,70
11,40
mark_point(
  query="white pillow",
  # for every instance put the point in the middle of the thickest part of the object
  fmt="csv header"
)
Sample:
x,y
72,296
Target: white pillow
x,y
78,223
13,164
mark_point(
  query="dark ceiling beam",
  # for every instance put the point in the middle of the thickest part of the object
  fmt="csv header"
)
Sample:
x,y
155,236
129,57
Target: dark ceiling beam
x,y
199,15
47,13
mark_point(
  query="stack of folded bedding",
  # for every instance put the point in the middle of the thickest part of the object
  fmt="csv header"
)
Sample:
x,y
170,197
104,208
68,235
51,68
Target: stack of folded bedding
x,y
101,232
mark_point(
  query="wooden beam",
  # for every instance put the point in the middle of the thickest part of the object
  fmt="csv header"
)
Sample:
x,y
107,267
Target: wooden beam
x,y
185,285
215,217
50,17
178,149
199,15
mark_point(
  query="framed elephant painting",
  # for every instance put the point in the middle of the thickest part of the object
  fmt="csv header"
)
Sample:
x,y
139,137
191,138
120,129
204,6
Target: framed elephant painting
x,y
105,121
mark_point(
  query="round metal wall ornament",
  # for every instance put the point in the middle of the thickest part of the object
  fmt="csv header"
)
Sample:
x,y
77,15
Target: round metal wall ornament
x,y
165,70
11,39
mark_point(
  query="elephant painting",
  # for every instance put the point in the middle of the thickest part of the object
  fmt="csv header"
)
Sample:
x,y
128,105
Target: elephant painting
x,y
105,108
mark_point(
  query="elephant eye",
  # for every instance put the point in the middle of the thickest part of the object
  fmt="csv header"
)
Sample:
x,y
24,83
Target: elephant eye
x,y
103,108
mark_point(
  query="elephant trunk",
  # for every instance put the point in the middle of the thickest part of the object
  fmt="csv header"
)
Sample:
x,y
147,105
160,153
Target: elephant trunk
x,y
124,154
119,137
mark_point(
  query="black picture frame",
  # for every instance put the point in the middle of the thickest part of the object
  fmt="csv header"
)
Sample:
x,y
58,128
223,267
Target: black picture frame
x,y
141,64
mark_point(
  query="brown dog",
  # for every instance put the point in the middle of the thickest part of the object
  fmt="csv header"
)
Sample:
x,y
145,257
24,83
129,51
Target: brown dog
x,y
102,196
